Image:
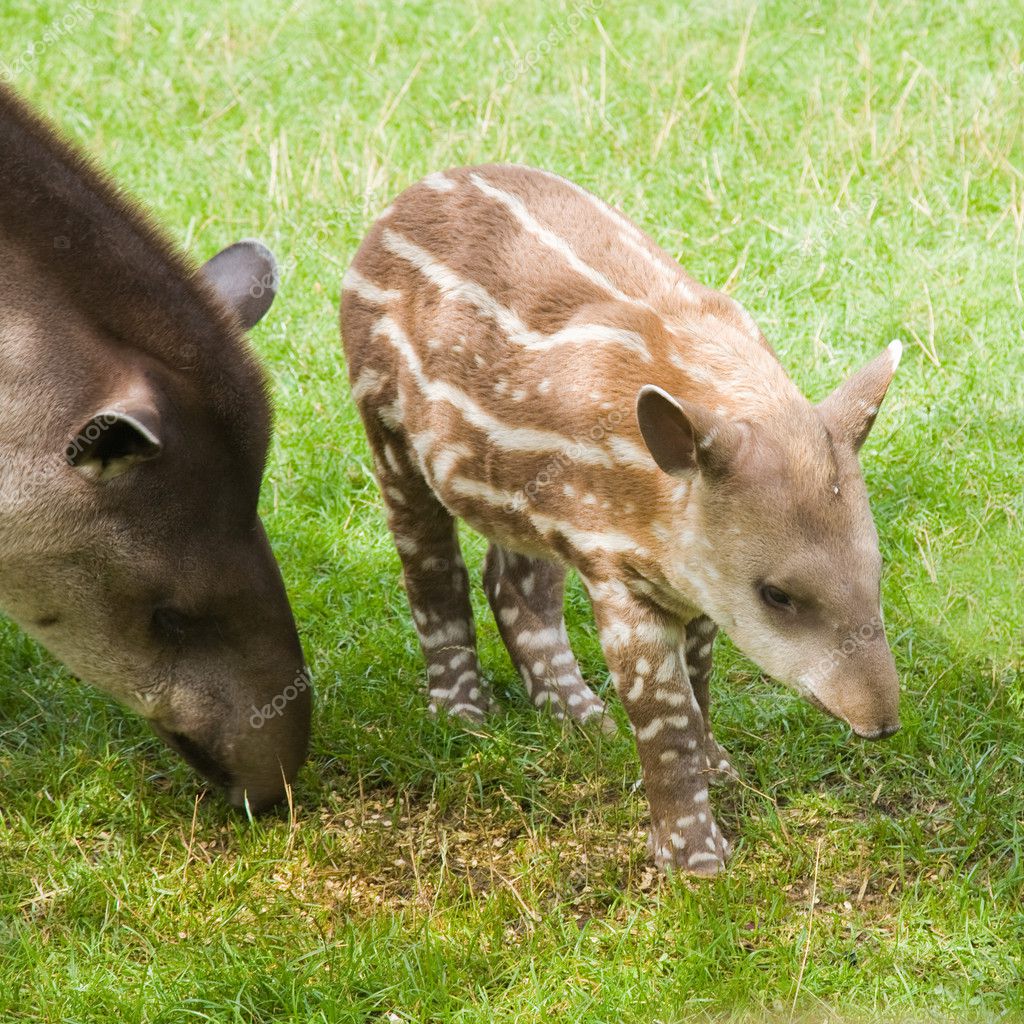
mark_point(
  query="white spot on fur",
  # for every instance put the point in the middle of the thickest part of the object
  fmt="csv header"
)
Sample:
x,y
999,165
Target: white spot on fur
x,y
539,637
616,634
701,858
668,669
671,697
438,182
354,282
369,382
452,632
391,415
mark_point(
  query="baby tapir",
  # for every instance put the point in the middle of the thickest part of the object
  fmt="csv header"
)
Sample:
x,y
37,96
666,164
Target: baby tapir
x,y
525,358
134,424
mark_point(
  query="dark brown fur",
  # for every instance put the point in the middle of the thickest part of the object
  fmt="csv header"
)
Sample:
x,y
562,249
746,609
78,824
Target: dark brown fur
x,y
120,270
134,425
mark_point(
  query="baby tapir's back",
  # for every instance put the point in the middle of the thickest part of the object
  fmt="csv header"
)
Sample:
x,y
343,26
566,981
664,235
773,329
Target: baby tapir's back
x,y
505,319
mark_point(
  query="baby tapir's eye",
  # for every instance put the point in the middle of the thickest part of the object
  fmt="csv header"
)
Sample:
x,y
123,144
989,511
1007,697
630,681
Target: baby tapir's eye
x,y
775,598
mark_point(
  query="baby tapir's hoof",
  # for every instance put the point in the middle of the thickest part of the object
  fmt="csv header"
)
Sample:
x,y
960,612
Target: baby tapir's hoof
x,y
470,703
691,844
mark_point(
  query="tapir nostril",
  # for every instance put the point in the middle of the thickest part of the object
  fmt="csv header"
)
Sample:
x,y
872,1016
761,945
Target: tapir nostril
x,y
199,758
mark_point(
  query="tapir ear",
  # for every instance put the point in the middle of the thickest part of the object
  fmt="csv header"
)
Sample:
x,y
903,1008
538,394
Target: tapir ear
x,y
851,409
113,440
244,276
683,436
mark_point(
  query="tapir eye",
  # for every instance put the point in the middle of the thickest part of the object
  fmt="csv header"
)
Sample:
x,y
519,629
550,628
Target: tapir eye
x,y
775,598
170,625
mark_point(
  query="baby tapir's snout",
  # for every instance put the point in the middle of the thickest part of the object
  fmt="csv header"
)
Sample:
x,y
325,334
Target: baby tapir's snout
x,y
862,688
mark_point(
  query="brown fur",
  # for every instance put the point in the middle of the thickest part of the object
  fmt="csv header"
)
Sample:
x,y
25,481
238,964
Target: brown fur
x,y
113,264
134,424
526,359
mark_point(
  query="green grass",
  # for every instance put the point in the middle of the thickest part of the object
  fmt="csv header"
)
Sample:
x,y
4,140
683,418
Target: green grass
x,y
852,174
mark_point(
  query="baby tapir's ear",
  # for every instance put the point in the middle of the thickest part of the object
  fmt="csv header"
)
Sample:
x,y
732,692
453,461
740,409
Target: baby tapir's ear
x,y
244,276
683,436
851,409
113,440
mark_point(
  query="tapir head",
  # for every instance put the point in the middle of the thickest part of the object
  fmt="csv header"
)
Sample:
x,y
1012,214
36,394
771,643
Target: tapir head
x,y
792,546
134,427
135,553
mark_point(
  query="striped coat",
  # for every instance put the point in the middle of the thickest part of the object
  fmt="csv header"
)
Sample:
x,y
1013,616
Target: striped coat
x,y
528,360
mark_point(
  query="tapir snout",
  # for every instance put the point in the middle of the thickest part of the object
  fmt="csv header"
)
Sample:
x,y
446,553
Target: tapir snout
x,y
240,712
863,691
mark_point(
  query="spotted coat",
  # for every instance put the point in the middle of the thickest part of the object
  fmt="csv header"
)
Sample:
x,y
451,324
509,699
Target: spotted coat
x,y
526,359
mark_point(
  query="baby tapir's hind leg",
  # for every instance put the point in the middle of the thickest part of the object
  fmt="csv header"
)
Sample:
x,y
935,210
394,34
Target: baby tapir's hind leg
x,y
698,653
436,580
526,595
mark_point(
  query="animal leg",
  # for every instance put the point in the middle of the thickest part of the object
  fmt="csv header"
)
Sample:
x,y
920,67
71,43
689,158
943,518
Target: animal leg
x,y
698,655
642,645
526,595
436,580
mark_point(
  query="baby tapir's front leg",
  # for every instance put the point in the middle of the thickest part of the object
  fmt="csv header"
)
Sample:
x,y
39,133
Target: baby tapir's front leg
x,y
642,646
697,655
436,580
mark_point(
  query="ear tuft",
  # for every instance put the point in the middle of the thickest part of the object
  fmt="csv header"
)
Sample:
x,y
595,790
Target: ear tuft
x,y
114,440
245,278
895,349
851,409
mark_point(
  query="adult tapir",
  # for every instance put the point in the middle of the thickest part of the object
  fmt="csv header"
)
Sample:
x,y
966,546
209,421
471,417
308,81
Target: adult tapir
x,y
134,425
